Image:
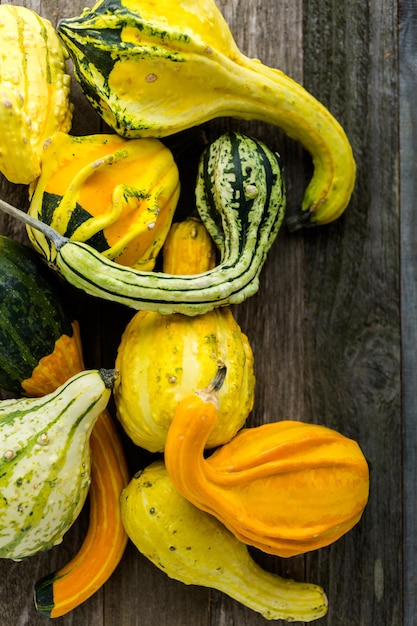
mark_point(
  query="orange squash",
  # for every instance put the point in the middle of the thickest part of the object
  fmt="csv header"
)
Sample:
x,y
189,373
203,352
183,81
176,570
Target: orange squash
x,y
286,487
60,592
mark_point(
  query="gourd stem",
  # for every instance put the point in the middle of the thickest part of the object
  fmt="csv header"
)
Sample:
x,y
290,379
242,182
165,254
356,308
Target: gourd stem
x,y
57,239
108,376
217,383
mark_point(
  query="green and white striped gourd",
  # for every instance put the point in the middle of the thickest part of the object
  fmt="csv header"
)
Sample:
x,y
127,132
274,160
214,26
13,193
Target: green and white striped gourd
x,y
45,462
240,197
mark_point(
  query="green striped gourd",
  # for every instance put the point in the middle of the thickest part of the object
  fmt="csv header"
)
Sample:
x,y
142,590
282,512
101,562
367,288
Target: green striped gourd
x,y
240,196
45,462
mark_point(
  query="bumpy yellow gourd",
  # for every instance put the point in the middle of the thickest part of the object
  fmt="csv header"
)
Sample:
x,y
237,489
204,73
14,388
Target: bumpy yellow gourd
x,y
34,91
285,487
162,357
119,196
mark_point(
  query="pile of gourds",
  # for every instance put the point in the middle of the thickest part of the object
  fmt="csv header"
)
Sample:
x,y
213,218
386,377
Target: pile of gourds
x,y
101,213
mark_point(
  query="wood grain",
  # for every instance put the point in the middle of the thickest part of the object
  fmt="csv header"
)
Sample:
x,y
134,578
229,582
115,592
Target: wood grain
x,y
325,326
408,178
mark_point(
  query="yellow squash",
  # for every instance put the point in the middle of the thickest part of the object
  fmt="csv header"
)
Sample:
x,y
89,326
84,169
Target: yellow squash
x,y
163,357
34,91
191,546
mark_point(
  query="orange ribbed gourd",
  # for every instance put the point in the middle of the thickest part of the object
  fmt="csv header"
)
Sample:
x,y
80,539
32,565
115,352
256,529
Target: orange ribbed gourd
x,y
286,487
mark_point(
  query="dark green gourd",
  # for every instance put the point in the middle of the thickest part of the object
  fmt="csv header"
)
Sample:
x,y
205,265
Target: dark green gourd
x,y
33,316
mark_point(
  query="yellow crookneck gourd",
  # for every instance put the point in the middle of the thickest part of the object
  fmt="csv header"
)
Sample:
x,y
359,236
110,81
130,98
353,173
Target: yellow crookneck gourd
x,y
191,546
188,70
117,195
163,357
286,487
34,91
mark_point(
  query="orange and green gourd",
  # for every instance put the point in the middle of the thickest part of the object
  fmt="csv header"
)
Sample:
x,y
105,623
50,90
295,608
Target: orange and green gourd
x,y
119,196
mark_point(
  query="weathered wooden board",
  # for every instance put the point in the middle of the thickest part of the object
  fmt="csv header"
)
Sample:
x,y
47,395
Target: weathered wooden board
x,y
408,195
324,327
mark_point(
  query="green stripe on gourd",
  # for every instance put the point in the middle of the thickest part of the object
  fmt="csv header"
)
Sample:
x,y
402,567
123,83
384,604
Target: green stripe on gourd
x,y
241,200
79,215
45,462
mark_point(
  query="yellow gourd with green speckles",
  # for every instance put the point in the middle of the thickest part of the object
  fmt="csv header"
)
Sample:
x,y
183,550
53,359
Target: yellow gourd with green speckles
x,y
193,547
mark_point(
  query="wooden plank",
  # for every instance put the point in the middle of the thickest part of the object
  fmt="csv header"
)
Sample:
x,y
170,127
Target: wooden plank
x,y
408,185
352,350
324,327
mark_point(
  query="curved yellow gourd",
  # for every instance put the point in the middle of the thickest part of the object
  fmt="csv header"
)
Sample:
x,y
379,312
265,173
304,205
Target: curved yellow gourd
x,y
193,547
188,70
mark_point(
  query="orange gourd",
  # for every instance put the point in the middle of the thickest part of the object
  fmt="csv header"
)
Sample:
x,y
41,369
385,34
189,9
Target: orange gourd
x,y
60,592
41,350
102,549
286,487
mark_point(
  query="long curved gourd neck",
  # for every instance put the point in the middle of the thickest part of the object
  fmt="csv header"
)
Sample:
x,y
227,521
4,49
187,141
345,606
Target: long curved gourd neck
x,y
213,78
257,588
194,420
269,95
